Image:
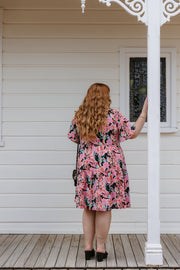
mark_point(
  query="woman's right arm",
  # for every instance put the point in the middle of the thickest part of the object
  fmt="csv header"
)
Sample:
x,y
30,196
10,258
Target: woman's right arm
x,y
141,120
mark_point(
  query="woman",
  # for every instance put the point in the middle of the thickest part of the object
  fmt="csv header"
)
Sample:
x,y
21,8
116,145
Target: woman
x,y
102,178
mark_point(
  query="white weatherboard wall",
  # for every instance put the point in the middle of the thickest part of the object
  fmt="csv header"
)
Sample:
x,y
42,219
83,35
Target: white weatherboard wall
x,y
51,55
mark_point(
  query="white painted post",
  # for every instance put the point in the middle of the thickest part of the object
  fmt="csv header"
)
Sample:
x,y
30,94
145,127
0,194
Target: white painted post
x,y
153,248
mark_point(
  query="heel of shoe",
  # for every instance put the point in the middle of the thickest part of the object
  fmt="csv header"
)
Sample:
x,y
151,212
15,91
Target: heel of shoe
x,y
101,255
89,254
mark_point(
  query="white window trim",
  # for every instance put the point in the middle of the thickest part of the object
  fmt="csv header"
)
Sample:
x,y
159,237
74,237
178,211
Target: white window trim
x,y
170,54
1,29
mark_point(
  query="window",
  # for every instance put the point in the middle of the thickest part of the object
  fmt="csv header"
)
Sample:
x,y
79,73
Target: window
x,y
133,85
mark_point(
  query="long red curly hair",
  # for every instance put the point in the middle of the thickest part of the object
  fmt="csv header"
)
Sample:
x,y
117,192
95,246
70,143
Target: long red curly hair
x,y
92,113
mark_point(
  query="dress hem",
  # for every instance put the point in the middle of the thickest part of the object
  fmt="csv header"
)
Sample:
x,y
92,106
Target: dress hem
x,y
103,210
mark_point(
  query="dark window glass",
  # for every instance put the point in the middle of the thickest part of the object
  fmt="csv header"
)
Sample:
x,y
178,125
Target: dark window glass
x,y
138,87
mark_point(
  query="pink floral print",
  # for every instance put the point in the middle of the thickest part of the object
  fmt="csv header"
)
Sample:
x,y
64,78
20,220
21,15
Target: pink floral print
x,y
102,177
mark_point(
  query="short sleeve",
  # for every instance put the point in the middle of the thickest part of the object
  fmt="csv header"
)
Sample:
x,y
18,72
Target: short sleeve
x,y
73,133
125,128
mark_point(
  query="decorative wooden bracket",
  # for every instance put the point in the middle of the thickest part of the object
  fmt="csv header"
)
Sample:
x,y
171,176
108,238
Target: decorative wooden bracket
x,y
138,8
169,8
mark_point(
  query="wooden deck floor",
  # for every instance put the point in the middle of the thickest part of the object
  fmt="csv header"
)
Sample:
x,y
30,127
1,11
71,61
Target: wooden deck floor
x,y
50,251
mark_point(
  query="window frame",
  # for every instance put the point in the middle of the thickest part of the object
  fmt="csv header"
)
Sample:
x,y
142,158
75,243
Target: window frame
x,y
1,29
170,54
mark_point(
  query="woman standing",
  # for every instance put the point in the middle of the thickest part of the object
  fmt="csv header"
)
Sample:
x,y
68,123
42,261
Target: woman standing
x,y
102,177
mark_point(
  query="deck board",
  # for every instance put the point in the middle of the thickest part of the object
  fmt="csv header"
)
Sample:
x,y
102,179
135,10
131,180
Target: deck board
x,y
41,261
119,251
36,251
17,251
141,239
7,253
27,251
5,243
139,257
51,260
131,262
80,262
172,249
72,254
168,255
62,256
111,259
66,251
174,239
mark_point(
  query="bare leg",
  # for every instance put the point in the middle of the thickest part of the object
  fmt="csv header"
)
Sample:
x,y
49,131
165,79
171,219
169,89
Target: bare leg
x,y
88,228
102,225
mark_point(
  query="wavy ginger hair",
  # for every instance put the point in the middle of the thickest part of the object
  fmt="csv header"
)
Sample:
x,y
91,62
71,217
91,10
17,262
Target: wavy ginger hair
x,y
92,113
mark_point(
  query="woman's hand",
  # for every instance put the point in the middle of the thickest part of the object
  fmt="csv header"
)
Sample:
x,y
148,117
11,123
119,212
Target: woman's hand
x,y
145,108
141,119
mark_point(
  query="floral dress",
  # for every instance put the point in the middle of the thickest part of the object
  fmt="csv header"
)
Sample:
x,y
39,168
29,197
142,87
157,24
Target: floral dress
x,y
102,177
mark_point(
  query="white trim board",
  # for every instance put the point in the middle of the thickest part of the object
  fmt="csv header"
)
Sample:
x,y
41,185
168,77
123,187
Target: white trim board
x,y
1,29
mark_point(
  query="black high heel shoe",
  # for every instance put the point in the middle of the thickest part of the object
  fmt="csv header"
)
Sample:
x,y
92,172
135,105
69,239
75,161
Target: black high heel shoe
x,y
101,255
89,254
